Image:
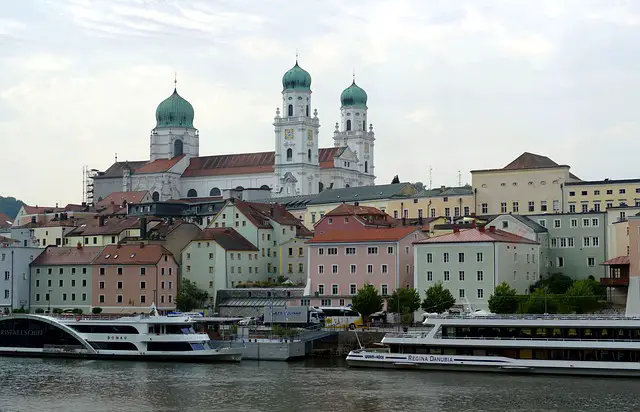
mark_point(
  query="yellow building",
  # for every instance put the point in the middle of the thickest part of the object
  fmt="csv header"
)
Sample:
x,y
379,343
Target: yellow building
x,y
599,195
531,184
444,201
104,231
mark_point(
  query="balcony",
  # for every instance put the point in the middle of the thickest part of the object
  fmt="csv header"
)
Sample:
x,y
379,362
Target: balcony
x,y
623,281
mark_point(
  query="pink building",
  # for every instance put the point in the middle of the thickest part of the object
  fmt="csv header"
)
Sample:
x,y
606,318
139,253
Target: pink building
x,y
352,217
129,278
342,261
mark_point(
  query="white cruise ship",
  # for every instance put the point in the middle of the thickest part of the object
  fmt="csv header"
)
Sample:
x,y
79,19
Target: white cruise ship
x,y
548,344
143,337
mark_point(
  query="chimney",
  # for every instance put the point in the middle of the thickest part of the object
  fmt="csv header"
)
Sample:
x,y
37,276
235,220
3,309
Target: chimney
x,y
101,221
481,229
492,229
473,224
456,229
143,228
141,245
79,245
84,204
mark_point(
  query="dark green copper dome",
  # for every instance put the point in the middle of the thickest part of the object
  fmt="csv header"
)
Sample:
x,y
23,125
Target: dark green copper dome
x,y
297,79
174,111
354,96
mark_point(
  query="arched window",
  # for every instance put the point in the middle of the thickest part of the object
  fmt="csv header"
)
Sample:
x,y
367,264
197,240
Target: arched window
x,y
320,187
307,110
290,110
366,166
309,154
265,187
192,193
364,125
289,155
214,192
155,196
178,148
348,125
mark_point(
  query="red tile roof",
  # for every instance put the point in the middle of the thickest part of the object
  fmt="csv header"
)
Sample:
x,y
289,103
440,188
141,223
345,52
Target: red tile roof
x,y
260,215
477,235
159,165
350,210
112,226
393,234
131,254
620,260
227,238
243,163
530,161
67,256
5,221
118,198
34,210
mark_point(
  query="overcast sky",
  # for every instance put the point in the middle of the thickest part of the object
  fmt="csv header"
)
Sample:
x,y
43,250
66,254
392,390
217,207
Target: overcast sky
x,y
452,85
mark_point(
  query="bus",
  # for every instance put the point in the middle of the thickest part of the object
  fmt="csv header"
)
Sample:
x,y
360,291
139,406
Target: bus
x,y
340,317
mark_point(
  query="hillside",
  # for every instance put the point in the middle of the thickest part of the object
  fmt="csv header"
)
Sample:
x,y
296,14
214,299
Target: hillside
x,y
10,206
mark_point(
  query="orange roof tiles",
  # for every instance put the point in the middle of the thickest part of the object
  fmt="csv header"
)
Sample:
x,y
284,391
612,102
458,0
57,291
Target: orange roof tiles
x,y
159,165
365,235
349,210
118,198
112,226
133,254
477,235
67,256
5,221
620,260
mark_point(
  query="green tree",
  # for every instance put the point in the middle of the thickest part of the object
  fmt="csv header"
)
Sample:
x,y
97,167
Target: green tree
x,y
404,301
504,299
10,206
438,299
540,301
581,298
396,179
190,296
367,301
555,284
97,310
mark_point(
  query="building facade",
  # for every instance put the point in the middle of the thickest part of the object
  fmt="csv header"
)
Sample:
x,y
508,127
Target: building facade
x,y
599,195
15,275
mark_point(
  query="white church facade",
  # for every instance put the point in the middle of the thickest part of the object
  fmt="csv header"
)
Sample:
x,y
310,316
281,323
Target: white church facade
x,y
297,166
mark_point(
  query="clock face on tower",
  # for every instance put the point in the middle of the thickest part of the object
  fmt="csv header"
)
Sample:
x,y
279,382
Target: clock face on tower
x,y
288,134
310,135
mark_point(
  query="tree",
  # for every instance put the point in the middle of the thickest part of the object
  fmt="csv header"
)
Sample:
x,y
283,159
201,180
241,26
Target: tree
x,y
396,179
190,296
97,310
367,301
438,299
540,301
404,301
555,284
504,299
10,206
581,298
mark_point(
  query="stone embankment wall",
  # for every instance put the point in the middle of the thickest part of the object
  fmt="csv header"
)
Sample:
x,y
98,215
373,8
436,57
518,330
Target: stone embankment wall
x,y
342,342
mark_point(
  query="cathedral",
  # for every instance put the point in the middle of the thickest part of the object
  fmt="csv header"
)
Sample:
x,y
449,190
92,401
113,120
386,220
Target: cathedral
x,y
298,166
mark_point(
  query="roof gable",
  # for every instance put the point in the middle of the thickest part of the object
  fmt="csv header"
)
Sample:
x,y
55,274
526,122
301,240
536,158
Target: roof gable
x,y
228,238
131,254
365,235
530,161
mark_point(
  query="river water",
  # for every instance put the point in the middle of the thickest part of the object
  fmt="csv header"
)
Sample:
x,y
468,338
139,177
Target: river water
x,y
312,385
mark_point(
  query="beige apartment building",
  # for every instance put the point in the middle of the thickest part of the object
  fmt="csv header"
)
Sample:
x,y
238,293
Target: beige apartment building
x,y
597,195
531,184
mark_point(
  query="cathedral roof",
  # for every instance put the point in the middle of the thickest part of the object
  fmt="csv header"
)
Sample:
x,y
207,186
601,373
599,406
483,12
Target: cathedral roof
x,y
354,96
159,165
174,111
296,78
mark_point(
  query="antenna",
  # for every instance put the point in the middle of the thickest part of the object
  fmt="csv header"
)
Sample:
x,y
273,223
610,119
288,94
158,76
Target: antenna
x,y
296,55
116,157
459,178
175,80
354,75
430,177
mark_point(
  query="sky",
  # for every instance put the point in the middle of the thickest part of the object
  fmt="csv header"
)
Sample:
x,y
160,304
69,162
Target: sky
x,y
452,86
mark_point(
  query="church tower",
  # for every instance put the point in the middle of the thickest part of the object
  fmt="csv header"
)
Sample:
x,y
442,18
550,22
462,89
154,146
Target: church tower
x,y
354,132
297,166
174,133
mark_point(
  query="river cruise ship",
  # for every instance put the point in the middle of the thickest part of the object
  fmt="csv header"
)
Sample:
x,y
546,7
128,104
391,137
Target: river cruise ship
x,y
546,344
142,337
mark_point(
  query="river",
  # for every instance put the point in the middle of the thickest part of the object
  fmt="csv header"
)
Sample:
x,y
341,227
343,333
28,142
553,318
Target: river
x,y
311,385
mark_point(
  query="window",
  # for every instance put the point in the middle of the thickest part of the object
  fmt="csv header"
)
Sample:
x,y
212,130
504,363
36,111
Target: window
x,y
84,297
321,289
556,205
556,223
320,251
84,283
461,293
101,271
515,207
503,207
101,298
480,293
622,191
586,241
479,257
543,205
300,268
143,298
372,250
350,251
369,268
49,283
61,283
461,257
334,289
390,250
445,257
429,276
542,222
384,290
101,285
447,211
320,269
384,268
352,269
596,206
591,261
143,271
560,262
446,275
353,289
480,276
143,284
429,258
574,222
119,298
334,268
595,241
586,222
485,208
406,249
595,222
290,267
531,206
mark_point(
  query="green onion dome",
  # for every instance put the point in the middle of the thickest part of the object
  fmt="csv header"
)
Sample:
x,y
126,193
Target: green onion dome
x,y
174,111
297,79
354,96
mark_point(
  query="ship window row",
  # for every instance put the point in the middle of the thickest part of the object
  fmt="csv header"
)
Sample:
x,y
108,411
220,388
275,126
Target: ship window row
x,y
110,329
114,345
569,333
171,329
585,355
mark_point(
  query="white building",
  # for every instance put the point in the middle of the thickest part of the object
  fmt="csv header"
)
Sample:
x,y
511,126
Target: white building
x,y
15,274
297,166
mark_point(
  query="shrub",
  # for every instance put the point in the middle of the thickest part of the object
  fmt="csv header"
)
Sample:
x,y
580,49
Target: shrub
x,y
77,311
39,310
97,310
57,311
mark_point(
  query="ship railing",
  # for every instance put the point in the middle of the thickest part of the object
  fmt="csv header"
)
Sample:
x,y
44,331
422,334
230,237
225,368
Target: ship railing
x,y
536,317
407,335
540,339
